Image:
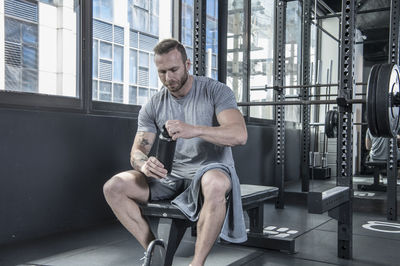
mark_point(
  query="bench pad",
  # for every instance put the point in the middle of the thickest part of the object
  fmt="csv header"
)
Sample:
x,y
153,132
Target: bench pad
x,y
251,194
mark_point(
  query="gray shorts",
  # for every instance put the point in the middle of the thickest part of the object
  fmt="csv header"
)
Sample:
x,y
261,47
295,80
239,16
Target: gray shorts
x,y
166,188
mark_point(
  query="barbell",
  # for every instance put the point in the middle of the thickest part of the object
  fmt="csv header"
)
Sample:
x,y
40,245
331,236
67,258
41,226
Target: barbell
x,y
303,86
382,103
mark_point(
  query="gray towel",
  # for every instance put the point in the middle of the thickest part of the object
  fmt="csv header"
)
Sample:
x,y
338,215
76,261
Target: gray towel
x,y
233,229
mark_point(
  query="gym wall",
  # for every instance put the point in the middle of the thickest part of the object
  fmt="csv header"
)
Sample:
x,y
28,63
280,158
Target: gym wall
x,y
54,165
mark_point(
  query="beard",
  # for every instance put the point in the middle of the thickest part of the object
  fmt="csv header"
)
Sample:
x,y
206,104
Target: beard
x,y
175,86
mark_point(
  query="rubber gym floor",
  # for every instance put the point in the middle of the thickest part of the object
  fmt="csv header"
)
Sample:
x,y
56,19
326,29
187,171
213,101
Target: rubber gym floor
x,y
315,239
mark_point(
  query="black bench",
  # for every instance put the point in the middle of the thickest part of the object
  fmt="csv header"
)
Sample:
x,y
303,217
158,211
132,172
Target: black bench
x,y
378,168
253,199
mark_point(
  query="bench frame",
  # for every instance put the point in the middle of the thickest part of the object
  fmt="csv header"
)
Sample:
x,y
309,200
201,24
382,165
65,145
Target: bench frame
x,y
377,168
390,188
252,203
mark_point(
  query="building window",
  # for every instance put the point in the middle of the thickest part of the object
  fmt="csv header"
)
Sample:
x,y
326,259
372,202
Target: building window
x,y
21,46
21,56
103,9
39,47
123,58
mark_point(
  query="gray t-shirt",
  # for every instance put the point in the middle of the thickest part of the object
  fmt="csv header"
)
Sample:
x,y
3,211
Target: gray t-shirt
x,y
204,101
379,148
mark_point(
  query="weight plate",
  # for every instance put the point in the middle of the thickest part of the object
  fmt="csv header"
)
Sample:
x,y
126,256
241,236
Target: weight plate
x,y
387,116
371,100
382,100
327,125
335,120
394,111
328,130
331,121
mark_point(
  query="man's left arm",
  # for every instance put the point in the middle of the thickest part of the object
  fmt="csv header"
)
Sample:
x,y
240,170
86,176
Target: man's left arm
x,y
230,132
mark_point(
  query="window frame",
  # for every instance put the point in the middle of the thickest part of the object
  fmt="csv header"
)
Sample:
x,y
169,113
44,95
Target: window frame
x,y
83,103
96,107
29,100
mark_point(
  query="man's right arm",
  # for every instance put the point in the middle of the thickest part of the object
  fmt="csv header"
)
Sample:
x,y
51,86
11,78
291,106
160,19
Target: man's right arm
x,y
140,161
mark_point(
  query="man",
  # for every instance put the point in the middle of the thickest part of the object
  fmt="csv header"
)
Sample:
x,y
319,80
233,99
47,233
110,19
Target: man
x,y
202,115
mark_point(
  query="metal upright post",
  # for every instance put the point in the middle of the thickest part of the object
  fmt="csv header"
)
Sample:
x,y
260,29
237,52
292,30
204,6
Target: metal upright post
x,y
199,30
305,95
345,128
177,21
246,55
85,50
279,75
222,40
391,165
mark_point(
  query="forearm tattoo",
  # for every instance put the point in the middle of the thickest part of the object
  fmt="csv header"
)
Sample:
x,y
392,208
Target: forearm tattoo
x,y
139,156
138,159
145,144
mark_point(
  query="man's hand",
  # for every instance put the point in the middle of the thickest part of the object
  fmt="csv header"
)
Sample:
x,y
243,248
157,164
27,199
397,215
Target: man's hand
x,y
178,129
154,168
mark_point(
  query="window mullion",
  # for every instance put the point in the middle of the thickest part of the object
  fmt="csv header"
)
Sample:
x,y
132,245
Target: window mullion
x,y
86,55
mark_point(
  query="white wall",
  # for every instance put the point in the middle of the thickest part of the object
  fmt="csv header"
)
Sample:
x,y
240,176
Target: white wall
x,y
165,22
165,16
47,49
57,49
330,51
357,108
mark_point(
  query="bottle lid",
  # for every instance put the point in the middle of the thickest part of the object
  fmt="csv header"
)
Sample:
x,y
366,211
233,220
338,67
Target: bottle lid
x,y
164,132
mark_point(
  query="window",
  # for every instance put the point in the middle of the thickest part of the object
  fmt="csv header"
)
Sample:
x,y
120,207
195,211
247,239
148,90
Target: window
x,y
261,65
293,57
211,34
39,47
261,57
235,48
144,15
313,60
21,62
187,29
212,39
103,9
123,59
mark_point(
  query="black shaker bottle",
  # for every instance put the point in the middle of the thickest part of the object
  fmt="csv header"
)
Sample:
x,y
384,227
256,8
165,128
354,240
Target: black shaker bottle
x,y
166,149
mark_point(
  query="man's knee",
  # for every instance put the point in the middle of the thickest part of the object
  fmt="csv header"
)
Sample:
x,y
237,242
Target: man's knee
x,y
116,186
215,185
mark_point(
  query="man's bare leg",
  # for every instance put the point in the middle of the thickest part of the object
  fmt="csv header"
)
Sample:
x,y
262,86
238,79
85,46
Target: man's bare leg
x,y
122,193
214,186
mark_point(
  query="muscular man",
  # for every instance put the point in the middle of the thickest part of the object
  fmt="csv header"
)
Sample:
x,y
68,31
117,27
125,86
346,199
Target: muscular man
x,y
202,115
